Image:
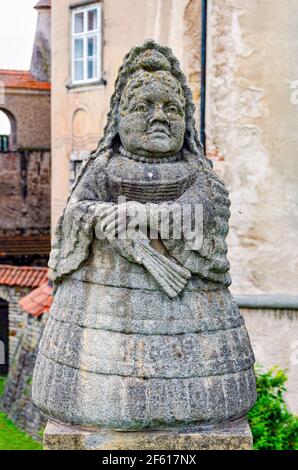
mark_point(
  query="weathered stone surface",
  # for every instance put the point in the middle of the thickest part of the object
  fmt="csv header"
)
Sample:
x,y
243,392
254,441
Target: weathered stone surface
x,y
230,436
16,400
147,356
25,192
133,403
143,332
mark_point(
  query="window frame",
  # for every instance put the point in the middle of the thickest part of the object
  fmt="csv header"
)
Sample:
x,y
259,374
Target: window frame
x,y
85,35
12,137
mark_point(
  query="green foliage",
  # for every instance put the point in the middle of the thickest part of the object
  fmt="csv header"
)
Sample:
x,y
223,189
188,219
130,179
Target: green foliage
x,y
2,385
273,426
11,438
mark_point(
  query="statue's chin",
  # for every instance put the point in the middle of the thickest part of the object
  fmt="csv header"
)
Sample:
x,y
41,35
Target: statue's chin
x,y
155,149
155,153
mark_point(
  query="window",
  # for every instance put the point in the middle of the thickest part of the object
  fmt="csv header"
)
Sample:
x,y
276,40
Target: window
x,y
5,132
76,160
86,44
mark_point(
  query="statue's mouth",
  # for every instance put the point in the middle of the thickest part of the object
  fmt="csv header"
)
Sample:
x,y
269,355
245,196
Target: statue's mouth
x,y
158,130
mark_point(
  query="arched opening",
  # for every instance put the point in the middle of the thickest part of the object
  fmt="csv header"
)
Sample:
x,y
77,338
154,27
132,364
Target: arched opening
x,y
4,338
7,131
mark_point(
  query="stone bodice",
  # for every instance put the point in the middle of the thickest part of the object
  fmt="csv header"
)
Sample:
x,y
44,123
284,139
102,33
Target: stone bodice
x,y
150,182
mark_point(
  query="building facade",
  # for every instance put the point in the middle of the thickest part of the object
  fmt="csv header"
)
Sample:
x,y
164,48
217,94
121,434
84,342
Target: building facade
x,y
80,103
25,155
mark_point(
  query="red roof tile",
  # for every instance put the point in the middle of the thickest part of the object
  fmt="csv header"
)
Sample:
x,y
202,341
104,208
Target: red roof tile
x,y
22,79
38,301
24,276
25,245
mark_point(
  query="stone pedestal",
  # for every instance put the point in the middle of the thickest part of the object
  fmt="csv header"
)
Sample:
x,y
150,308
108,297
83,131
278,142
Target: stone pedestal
x,y
229,436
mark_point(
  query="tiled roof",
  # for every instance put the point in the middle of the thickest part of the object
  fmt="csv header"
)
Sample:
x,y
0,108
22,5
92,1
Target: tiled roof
x,y
25,245
38,301
22,79
24,276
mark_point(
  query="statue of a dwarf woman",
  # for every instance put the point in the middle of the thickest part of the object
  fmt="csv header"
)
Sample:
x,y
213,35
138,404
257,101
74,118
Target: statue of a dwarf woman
x,y
143,332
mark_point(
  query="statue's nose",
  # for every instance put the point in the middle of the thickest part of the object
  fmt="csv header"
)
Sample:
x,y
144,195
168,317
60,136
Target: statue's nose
x,y
158,115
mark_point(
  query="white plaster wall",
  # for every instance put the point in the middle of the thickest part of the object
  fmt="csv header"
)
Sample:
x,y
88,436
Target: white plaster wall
x,y
274,338
252,50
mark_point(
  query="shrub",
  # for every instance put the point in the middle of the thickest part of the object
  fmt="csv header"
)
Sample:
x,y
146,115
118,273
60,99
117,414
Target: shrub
x,y
273,426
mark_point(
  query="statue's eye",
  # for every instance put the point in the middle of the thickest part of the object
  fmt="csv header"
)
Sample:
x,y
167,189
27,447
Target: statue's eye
x,y
141,108
172,109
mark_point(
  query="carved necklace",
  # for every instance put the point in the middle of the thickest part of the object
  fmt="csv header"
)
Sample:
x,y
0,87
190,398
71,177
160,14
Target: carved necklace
x,y
157,160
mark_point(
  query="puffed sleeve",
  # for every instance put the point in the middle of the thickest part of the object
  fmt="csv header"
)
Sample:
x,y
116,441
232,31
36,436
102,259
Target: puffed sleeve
x,y
75,229
208,258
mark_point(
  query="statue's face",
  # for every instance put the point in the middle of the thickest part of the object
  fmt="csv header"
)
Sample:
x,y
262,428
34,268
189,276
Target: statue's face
x,y
152,123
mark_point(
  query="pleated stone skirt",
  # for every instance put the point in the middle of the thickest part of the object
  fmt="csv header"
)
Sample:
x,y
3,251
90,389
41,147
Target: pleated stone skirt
x,y
117,352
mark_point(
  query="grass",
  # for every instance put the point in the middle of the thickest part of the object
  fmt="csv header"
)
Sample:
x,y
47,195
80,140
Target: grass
x,y
11,438
2,385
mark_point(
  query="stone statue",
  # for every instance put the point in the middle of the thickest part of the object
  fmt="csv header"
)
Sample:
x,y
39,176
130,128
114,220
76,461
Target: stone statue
x,y
143,332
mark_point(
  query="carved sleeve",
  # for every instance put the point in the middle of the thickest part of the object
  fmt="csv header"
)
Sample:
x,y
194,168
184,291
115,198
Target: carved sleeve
x,y
208,258
75,229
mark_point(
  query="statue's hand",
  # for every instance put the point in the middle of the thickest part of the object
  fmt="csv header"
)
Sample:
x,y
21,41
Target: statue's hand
x,y
114,220
171,277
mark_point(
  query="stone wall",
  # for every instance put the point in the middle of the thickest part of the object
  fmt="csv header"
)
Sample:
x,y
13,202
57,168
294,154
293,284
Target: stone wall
x,y
251,124
16,401
31,111
251,129
24,334
25,192
192,39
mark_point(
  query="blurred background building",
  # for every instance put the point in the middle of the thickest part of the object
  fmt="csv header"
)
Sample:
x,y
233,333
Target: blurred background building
x,y
240,59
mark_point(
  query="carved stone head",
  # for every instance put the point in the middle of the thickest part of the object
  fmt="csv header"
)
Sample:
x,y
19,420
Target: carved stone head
x,y
151,112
